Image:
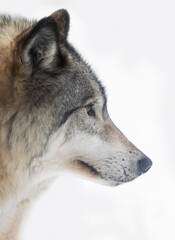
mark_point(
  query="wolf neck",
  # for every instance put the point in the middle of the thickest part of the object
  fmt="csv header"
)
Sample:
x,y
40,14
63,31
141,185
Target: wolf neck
x,y
14,204
12,216
11,207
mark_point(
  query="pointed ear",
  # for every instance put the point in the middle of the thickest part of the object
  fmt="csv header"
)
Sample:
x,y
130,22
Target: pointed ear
x,y
62,18
39,45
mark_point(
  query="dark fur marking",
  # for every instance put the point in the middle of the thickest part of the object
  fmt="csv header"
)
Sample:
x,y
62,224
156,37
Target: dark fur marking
x,y
10,128
54,128
126,175
67,115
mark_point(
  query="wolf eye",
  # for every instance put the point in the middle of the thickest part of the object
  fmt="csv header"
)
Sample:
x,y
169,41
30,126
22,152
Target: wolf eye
x,y
90,110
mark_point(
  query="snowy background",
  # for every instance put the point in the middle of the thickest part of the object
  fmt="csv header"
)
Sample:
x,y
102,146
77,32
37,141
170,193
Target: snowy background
x,y
131,46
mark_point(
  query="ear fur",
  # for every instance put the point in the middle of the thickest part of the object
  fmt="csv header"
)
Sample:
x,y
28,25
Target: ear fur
x,y
39,45
62,18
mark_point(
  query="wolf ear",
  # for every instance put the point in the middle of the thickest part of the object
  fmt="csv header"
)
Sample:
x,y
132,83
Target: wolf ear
x,y
40,43
62,19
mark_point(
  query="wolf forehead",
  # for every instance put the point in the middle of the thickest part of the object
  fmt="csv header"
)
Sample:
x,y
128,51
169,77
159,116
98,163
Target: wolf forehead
x,y
39,65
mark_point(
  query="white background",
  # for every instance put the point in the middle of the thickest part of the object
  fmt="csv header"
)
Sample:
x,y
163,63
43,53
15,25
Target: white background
x,y
131,46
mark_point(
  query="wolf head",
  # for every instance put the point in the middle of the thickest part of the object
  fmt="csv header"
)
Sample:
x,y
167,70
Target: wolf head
x,y
54,109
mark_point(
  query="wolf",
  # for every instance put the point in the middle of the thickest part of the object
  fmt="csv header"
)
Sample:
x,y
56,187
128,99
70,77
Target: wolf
x,y
53,118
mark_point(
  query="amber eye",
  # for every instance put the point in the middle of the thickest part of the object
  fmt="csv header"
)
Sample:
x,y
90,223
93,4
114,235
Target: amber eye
x,y
90,110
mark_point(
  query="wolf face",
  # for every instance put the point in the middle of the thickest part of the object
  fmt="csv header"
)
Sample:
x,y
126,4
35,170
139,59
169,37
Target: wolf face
x,y
57,116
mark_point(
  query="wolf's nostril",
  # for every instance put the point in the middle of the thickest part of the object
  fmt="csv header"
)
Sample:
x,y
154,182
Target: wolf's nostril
x,y
145,164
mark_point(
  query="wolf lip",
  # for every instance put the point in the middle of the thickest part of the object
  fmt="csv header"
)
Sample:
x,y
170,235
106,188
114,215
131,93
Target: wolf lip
x,y
88,167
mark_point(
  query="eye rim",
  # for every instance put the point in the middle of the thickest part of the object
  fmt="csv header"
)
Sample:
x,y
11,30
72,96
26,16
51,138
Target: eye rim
x,y
90,110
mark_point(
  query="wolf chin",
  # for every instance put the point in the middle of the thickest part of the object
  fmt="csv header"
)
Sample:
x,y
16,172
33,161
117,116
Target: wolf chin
x,y
53,118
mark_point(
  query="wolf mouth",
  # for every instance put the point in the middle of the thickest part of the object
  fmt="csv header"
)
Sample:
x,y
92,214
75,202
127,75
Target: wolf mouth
x,y
88,167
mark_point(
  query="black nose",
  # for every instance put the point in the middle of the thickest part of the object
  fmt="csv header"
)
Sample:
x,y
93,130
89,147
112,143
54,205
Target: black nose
x,y
145,163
